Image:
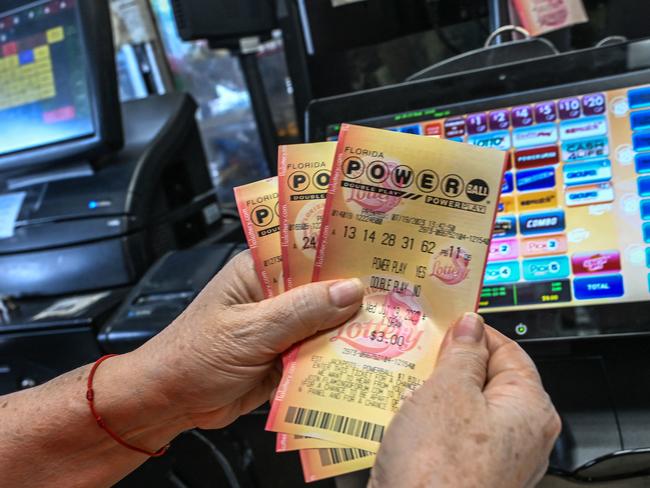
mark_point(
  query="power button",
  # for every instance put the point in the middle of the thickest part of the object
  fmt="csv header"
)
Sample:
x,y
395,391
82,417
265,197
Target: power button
x,y
521,329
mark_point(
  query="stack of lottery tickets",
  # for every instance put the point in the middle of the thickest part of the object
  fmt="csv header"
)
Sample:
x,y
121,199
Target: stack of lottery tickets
x,y
411,217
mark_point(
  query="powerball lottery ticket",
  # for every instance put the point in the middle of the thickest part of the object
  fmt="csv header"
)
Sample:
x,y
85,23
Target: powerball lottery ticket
x,y
411,217
318,464
303,178
258,208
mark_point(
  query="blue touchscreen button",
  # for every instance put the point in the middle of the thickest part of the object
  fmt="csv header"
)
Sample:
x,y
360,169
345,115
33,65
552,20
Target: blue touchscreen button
x,y
536,179
411,129
639,97
546,268
640,120
645,209
644,186
507,185
608,286
502,272
587,173
542,223
642,162
641,141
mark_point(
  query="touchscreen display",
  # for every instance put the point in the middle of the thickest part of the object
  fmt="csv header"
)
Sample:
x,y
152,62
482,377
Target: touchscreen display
x,y
44,95
573,227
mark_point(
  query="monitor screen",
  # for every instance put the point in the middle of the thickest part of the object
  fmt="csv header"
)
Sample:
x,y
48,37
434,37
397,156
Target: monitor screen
x,y
573,225
44,91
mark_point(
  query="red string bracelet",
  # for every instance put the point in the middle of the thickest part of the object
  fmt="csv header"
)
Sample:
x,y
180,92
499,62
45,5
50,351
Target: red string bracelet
x,y
90,396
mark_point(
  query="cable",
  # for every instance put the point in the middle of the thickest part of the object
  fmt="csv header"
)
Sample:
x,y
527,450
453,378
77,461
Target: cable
x,y
219,457
176,481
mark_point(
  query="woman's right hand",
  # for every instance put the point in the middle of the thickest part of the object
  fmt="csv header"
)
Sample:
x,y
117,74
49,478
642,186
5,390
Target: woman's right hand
x,y
483,419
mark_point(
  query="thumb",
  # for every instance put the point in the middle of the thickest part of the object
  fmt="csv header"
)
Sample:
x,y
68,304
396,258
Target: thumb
x,y
464,355
302,312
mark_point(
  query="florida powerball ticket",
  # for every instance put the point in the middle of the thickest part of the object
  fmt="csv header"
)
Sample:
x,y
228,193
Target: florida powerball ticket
x,y
258,208
303,178
412,217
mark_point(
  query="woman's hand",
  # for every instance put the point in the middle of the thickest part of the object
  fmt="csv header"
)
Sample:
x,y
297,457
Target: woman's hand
x,y
483,419
220,358
215,362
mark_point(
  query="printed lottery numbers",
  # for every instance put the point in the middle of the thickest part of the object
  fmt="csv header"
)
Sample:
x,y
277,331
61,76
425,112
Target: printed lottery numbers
x,y
427,247
388,239
309,242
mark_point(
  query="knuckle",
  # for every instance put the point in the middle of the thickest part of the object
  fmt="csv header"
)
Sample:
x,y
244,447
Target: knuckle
x,y
301,303
549,420
554,425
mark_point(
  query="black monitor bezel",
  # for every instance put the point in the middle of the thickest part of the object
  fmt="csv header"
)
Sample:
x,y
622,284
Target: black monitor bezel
x,y
562,323
95,27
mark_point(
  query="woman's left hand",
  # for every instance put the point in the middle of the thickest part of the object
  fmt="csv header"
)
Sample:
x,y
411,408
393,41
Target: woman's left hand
x,y
220,358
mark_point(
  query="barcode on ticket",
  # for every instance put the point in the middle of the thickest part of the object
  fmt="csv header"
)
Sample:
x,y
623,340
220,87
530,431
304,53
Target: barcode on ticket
x,y
335,423
332,456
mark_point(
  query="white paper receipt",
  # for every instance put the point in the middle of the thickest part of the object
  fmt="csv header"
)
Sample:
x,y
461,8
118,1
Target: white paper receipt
x,y
10,205
69,307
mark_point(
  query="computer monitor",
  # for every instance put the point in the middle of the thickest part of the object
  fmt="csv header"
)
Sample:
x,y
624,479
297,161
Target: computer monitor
x,y
570,255
58,88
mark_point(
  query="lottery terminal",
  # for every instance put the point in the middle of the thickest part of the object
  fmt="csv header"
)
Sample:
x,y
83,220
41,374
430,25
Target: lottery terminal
x,y
116,210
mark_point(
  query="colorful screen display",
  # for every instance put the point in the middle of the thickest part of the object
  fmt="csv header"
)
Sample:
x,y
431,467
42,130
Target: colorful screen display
x,y
43,85
573,226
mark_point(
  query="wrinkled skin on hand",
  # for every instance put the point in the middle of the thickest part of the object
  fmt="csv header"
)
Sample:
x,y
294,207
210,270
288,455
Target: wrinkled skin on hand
x,y
482,420
220,358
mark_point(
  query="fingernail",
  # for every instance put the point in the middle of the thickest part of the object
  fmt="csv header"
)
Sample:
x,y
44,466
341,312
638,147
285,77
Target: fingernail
x,y
469,329
346,292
